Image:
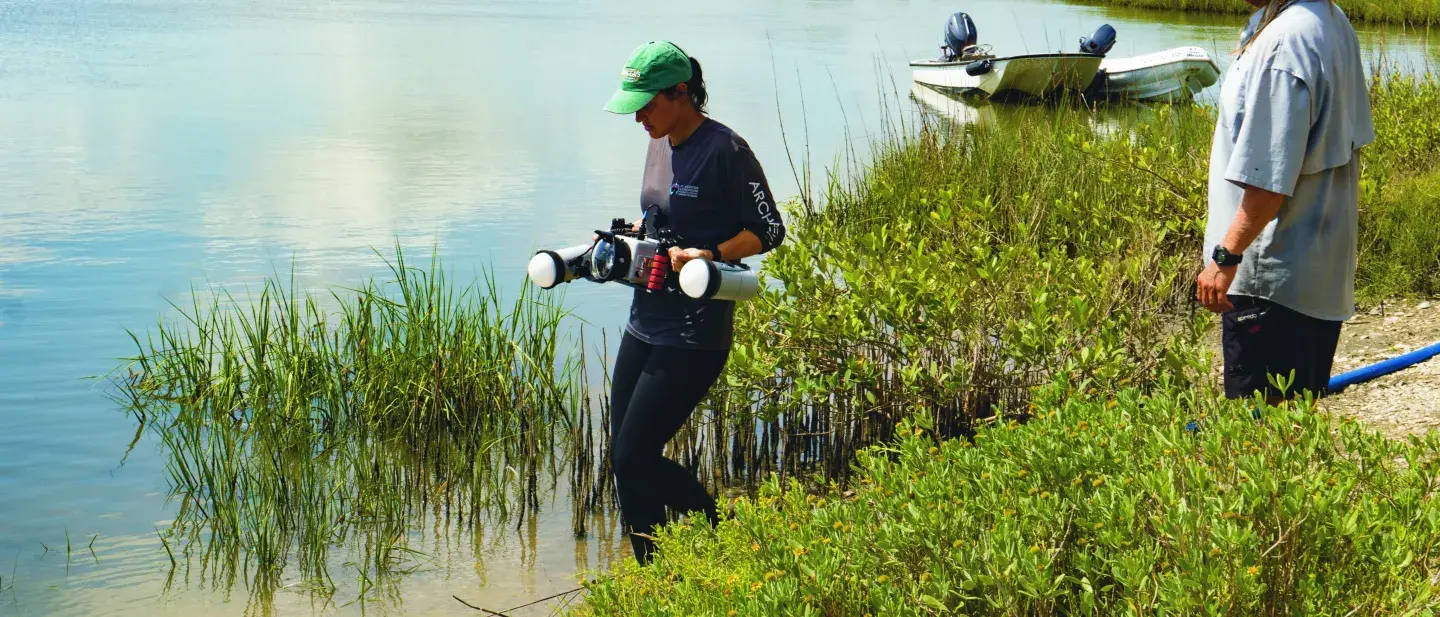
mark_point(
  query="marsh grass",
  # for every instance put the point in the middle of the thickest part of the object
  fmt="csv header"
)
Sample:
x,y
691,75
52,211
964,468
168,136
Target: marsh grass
x,y
1417,13
292,429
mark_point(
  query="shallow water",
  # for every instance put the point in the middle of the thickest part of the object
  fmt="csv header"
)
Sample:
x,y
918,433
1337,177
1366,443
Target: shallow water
x,y
148,148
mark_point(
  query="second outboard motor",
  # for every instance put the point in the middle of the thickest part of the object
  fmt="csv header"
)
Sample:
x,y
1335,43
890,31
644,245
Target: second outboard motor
x,y
960,34
1100,43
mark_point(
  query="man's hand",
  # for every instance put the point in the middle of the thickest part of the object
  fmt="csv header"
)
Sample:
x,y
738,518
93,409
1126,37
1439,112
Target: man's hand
x,y
1258,207
679,257
1213,285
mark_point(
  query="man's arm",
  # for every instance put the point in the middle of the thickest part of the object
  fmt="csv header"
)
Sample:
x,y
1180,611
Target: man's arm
x,y
1257,208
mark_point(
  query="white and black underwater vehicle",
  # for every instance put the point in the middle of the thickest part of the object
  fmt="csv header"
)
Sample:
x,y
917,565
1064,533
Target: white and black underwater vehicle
x,y
636,257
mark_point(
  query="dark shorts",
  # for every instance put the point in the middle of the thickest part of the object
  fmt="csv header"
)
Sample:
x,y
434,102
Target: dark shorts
x,y
1261,338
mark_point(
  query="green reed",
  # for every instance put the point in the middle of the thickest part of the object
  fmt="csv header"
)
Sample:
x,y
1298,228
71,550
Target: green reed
x,y
296,423
1399,225
1421,13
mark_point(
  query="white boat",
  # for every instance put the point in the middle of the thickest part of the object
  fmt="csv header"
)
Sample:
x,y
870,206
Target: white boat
x,y
1173,75
1036,75
965,68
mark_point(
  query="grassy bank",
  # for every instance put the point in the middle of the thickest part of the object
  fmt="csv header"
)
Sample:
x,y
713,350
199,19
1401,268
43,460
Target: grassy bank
x,y
1419,13
964,272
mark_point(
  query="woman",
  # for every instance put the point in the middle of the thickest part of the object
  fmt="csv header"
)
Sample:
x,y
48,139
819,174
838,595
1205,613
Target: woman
x,y
706,181
1284,197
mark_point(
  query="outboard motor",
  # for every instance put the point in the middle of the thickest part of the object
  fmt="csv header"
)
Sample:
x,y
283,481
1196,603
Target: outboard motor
x,y
960,34
1100,43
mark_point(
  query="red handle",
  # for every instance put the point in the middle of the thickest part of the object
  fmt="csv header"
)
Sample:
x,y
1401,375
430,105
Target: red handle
x,y
659,270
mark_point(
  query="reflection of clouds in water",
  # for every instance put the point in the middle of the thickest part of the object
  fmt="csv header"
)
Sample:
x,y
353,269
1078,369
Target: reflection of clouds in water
x,y
321,195
71,167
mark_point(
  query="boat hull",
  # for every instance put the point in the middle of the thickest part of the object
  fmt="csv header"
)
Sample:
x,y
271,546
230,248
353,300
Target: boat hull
x,y
1173,75
1040,75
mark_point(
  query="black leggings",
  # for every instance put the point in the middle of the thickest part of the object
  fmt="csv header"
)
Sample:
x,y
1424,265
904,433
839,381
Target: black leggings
x,y
654,390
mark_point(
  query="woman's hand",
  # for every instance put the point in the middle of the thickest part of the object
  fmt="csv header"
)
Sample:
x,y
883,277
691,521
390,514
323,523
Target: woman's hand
x,y
679,257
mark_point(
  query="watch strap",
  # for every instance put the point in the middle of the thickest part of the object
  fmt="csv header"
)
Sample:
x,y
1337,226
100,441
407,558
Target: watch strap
x,y
1224,258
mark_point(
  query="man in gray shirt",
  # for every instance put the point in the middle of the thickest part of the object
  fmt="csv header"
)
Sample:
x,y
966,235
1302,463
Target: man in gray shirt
x,y
1294,112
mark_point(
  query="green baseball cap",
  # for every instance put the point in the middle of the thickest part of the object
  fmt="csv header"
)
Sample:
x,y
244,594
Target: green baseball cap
x,y
653,67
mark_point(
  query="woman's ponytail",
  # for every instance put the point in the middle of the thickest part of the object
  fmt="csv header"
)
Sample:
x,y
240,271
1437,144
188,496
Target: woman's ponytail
x,y
696,86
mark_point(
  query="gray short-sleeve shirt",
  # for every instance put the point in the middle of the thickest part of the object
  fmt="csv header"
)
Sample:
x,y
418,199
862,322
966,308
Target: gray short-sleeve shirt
x,y
1294,113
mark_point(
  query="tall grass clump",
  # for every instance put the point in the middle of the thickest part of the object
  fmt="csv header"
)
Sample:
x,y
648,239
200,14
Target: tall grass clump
x,y
1418,13
294,424
1098,505
1399,244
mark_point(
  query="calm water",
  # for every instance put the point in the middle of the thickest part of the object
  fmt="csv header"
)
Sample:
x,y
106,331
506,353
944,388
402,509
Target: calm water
x,y
148,148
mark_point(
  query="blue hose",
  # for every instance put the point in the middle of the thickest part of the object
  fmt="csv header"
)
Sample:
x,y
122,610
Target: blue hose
x,y
1340,382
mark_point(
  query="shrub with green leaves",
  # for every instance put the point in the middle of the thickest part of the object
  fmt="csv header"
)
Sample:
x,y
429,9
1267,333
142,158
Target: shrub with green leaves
x,y
1098,505
963,269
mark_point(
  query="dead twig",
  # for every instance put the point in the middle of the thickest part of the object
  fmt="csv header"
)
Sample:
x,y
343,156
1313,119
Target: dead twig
x,y
527,605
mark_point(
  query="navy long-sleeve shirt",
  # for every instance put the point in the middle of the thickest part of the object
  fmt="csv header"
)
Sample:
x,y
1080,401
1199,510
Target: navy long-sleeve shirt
x,y
710,188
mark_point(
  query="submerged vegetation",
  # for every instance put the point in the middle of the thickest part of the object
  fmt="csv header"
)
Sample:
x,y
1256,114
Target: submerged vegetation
x,y
1420,13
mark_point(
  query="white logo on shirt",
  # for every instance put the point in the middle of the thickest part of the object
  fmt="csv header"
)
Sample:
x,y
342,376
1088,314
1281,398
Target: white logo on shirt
x,y
766,212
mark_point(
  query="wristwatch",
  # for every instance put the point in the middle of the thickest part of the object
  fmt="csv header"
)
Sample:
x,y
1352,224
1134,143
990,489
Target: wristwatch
x,y
715,253
1224,258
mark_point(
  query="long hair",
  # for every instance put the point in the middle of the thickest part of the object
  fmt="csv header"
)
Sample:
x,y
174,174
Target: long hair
x,y
695,87
1272,10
